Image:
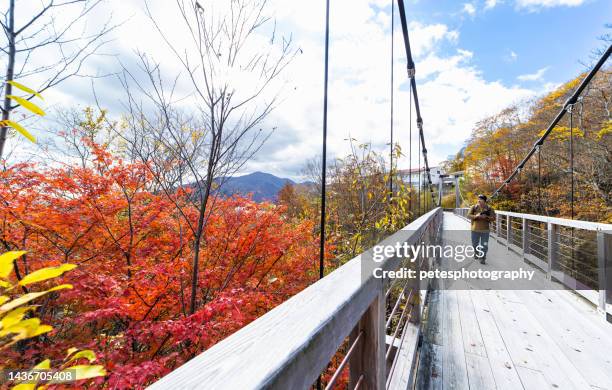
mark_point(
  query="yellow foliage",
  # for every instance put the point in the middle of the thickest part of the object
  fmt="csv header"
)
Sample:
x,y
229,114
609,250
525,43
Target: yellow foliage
x,y
6,262
46,273
28,105
25,103
14,328
19,128
25,89
606,129
559,93
562,133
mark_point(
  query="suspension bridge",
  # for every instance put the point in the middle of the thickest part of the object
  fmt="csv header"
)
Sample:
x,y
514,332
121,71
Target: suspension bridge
x,y
357,331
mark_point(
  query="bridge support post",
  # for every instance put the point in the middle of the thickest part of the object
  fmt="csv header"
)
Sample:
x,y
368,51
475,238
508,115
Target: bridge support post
x,y
553,248
415,314
508,231
368,360
526,249
498,227
457,193
604,263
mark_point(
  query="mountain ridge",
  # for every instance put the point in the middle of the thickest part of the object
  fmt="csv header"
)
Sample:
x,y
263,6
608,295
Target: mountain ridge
x,y
262,186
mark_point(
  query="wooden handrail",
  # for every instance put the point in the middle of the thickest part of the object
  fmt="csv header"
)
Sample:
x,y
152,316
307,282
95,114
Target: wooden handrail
x,y
289,347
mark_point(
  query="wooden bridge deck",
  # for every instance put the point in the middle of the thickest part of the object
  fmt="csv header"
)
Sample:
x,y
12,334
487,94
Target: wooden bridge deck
x,y
512,339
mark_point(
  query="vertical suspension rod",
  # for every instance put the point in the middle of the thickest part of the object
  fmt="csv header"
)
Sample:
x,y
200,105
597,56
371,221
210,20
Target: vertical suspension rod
x,y
411,73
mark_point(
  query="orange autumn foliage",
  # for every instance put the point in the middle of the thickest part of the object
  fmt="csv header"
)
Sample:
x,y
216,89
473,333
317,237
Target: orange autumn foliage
x,y
133,254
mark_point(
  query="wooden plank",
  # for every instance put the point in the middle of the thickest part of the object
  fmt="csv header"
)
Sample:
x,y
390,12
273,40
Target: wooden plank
x,y
453,357
479,372
529,344
472,339
579,339
430,367
402,373
502,366
532,379
433,332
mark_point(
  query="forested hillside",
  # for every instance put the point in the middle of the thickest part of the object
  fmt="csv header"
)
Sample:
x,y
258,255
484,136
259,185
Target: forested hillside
x,y
498,143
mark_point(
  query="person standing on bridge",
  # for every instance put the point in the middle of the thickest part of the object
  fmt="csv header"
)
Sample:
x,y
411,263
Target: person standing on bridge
x,y
481,214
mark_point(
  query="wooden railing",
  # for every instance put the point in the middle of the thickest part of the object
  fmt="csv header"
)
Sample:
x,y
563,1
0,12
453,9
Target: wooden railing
x,y
577,254
374,323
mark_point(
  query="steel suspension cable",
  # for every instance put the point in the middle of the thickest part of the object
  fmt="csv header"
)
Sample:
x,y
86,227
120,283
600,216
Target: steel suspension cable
x,y
391,124
319,384
419,185
540,209
324,156
572,100
411,73
570,109
410,155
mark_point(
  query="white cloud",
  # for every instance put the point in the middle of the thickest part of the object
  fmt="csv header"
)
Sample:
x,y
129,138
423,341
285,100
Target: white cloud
x,y
491,4
469,9
537,76
454,94
535,4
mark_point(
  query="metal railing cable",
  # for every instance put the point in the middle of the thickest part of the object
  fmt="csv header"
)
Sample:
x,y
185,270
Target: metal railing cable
x,y
347,356
566,106
411,74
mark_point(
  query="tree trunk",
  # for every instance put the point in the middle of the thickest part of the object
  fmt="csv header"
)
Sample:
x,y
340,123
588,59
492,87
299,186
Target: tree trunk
x,y
9,75
201,220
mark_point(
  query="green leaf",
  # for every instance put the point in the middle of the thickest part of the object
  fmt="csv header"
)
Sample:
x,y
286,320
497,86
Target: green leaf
x,y
6,262
20,129
28,105
46,273
24,88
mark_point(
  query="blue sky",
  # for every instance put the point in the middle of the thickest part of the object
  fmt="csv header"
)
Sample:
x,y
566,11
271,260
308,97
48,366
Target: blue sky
x,y
473,58
554,37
